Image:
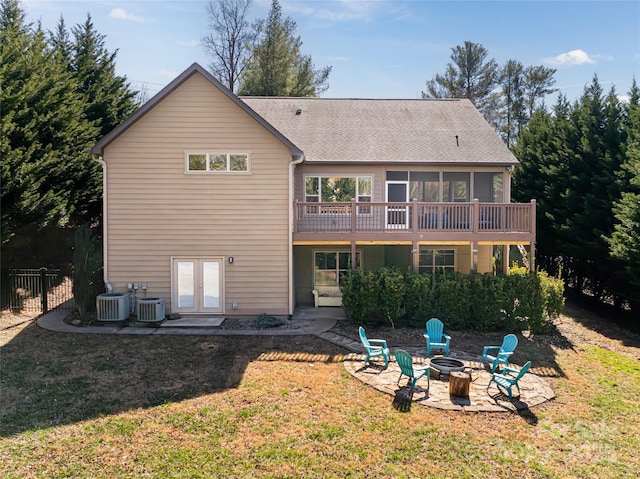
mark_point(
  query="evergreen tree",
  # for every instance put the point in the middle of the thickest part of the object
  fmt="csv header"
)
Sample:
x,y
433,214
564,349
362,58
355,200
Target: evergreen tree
x,y
60,42
625,240
277,66
506,96
538,83
45,134
470,74
108,97
513,107
569,164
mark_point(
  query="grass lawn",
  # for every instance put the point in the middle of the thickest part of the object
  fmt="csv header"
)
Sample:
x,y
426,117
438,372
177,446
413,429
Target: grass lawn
x,y
105,406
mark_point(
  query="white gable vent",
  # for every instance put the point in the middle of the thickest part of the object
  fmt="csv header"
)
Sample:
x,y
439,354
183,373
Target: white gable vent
x,y
151,310
112,306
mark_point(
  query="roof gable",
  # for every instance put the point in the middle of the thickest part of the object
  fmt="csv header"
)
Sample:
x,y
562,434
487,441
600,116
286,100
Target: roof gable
x,y
194,69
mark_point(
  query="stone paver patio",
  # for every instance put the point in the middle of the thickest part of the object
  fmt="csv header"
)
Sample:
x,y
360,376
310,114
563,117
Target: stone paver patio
x,y
534,389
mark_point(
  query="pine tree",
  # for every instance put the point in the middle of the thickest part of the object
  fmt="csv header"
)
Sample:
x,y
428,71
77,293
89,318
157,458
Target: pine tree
x,y
470,74
45,134
538,83
108,97
513,107
277,66
624,242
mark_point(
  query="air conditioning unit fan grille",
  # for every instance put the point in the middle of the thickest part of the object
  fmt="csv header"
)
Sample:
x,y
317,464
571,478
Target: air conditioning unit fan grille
x,y
112,307
151,310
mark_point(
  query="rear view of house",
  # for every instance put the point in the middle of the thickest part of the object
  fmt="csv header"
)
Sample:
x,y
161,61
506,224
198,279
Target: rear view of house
x,y
227,205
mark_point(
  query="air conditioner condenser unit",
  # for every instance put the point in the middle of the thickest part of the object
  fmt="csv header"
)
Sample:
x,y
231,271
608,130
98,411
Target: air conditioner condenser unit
x,y
112,307
151,310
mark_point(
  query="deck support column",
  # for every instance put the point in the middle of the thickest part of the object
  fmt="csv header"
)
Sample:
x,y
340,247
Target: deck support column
x,y
532,255
474,256
415,257
353,255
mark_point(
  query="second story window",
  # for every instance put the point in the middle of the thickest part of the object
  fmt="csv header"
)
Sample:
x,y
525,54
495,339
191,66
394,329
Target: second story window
x,y
217,162
338,189
319,189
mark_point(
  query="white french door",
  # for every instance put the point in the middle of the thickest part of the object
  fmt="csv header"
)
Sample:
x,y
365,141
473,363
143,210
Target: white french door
x,y
197,285
397,217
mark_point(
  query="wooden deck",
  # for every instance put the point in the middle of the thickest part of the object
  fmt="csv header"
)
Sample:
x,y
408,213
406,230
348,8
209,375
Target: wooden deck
x,y
415,221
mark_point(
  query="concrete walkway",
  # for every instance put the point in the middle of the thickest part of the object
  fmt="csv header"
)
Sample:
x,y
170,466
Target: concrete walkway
x,y
54,321
534,389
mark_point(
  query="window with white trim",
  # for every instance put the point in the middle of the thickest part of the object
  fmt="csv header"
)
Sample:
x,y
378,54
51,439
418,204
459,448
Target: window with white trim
x,y
436,260
217,162
330,266
319,189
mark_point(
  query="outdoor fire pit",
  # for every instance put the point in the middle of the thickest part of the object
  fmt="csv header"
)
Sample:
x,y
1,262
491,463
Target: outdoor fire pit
x,y
447,365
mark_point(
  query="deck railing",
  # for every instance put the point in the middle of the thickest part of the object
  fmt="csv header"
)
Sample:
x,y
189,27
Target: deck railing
x,y
416,217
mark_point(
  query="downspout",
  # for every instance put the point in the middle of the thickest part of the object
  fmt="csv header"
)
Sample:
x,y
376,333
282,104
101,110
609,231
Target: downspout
x,y
105,256
292,166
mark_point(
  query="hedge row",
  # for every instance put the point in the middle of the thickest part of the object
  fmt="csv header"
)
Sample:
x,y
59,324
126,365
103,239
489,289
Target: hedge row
x,y
483,302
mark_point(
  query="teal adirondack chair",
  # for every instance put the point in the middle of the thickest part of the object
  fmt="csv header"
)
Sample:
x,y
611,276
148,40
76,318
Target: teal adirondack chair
x,y
506,380
374,347
509,344
435,337
405,361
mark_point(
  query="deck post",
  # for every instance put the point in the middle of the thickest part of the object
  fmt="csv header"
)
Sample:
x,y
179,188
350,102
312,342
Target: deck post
x,y
476,217
532,255
414,215
353,219
532,218
353,255
295,216
415,256
474,256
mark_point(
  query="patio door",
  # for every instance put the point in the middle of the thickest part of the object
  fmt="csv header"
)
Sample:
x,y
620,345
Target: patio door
x,y
197,285
397,217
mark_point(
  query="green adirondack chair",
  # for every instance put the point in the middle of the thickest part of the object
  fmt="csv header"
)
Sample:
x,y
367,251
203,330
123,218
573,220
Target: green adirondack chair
x,y
506,380
509,344
405,361
435,337
374,347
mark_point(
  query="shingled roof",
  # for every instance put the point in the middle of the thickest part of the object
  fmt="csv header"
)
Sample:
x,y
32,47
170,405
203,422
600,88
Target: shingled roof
x,y
408,131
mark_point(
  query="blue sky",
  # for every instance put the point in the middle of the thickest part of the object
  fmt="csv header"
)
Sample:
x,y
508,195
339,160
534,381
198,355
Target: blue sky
x,y
379,49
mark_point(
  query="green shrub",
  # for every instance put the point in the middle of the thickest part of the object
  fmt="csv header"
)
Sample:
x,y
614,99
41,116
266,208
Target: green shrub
x,y
359,295
483,302
87,270
390,291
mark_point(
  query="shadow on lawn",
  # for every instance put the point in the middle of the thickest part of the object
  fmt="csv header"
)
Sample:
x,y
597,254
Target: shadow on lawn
x,y
51,379
605,320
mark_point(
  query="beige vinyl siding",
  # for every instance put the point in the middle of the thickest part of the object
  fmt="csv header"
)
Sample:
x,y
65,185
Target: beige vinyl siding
x,y
156,211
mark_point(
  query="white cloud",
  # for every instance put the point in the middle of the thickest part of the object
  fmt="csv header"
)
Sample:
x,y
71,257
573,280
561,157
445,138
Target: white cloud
x,y
191,43
573,57
121,14
167,73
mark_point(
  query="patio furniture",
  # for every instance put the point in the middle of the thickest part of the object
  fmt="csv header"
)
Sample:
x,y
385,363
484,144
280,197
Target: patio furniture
x,y
506,380
327,296
374,347
435,337
509,344
405,361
